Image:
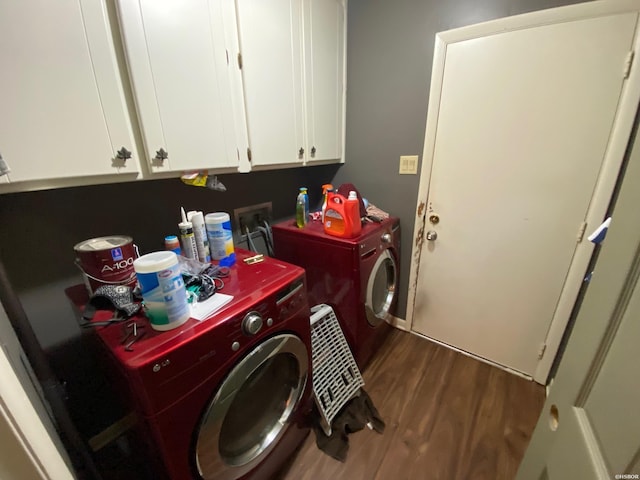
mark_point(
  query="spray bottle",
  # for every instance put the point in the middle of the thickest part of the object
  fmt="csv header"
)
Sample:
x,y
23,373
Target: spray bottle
x,y
326,188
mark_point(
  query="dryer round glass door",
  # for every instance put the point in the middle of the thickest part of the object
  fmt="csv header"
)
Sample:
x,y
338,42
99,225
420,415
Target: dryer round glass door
x,y
252,408
381,288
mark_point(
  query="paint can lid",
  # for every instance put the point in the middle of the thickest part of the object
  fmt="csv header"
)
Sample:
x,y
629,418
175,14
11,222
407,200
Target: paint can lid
x,y
102,243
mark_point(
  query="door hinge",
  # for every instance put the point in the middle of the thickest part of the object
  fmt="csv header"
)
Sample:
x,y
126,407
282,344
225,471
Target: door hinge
x,y
240,61
541,351
581,230
628,62
249,154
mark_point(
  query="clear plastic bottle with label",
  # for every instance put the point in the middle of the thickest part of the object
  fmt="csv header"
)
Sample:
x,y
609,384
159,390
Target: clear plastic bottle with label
x,y
353,212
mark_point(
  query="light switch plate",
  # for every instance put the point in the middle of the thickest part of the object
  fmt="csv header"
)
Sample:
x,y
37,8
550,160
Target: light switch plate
x,y
408,165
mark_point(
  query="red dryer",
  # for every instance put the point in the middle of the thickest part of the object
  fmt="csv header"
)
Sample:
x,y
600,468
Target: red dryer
x,y
357,276
228,397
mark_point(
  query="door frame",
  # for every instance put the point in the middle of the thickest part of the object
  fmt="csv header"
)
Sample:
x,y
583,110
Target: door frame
x,y
621,130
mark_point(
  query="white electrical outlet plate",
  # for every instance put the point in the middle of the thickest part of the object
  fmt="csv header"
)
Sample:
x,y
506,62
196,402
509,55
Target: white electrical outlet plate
x,y
408,165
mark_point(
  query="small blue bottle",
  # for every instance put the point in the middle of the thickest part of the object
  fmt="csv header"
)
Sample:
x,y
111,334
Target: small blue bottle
x,y
172,243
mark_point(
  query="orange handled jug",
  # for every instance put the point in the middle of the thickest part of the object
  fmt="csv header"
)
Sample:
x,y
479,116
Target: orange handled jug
x,y
342,215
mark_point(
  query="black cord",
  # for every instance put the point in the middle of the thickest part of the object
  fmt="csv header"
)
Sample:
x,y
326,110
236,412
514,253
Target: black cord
x,y
269,235
265,234
249,241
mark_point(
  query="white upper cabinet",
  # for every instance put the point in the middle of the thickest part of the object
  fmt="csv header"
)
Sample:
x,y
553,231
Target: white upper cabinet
x,y
226,85
292,64
179,71
63,112
270,33
324,72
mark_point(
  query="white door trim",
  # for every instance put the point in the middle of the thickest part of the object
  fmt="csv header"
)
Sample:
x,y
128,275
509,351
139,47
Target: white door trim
x,y
623,124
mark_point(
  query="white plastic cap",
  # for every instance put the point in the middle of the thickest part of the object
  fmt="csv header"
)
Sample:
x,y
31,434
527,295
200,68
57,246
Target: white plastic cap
x,y
352,195
217,217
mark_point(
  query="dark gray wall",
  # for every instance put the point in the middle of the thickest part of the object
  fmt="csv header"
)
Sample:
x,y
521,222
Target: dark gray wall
x,y
389,54
39,229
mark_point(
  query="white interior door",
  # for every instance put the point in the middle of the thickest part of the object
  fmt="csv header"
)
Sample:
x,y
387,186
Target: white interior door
x,y
598,426
521,144
31,446
589,427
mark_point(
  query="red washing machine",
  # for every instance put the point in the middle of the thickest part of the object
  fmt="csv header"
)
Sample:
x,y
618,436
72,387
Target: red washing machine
x,y
228,397
358,276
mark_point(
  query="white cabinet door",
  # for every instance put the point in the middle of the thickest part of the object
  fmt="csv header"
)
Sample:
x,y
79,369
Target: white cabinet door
x,y
178,64
293,54
324,70
63,110
270,38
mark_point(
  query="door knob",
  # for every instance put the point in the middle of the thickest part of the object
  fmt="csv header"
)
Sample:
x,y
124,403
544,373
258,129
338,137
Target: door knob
x,y
432,235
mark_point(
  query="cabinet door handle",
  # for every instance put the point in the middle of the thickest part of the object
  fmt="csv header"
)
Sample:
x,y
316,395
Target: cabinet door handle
x,y
162,154
123,154
313,151
301,151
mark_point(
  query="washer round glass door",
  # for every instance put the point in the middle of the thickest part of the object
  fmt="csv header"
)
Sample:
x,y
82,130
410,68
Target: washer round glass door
x,y
252,408
381,288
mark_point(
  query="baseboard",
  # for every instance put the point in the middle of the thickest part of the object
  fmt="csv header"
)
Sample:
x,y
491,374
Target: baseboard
x,y
477,357
398,323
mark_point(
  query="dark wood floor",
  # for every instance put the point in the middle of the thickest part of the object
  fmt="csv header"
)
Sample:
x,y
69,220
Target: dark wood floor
x,y
448,417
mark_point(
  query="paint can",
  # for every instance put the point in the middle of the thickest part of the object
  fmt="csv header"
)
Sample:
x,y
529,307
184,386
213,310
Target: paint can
x,y
106,261
163,290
